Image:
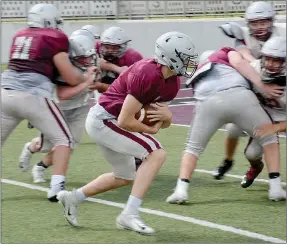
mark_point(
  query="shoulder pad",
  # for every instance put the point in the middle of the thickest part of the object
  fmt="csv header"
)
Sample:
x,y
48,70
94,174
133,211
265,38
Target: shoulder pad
x,y
232,30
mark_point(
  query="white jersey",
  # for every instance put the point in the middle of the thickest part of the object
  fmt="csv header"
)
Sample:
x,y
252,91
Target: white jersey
x,y
279,29
77,101
275,108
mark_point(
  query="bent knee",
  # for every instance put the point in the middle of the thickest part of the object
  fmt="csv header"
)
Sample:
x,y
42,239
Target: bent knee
x,y
233,131
253,154
159,155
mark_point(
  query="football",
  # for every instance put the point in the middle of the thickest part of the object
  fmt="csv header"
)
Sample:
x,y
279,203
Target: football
x,y
142,115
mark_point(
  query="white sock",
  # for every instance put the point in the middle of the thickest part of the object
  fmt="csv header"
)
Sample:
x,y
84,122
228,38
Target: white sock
x,y
56,180
182,185
275,183
80,196
132,206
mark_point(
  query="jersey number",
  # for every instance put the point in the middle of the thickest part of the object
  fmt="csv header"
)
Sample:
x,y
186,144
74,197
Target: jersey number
x,y
22,49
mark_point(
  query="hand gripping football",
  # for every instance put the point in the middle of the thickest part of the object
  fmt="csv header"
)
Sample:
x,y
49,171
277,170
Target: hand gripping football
x,y
142,115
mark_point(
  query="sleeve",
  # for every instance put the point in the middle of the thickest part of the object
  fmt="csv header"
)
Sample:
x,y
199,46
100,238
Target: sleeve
x,y
59,44
141,87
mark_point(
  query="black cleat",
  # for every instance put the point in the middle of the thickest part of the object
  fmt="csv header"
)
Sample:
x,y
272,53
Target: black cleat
x,y
222,169
251,175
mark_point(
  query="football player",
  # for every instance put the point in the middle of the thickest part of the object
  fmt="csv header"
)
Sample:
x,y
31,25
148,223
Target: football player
x,y
271,67
73,102
223,94
112,125
37,54
260,18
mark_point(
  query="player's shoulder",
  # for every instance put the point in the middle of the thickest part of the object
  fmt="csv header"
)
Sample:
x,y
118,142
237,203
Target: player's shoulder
x,y
146,68
131,51
279,29
54,33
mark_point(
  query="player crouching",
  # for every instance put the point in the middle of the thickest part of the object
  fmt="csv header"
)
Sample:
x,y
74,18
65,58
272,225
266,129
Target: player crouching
x,y
121,137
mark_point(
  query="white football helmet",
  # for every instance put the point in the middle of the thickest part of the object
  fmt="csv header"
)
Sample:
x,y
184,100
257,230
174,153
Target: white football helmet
x,y
44,15
93,29
114,36
204,56
82,51
83,33
176,50
273,61
260,11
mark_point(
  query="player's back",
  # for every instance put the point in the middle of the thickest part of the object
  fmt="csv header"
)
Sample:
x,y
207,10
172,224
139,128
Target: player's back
x,y
31,66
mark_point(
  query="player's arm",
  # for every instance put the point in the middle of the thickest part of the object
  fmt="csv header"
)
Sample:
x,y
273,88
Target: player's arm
x,y
270,129
67,71
67,92
107,66
160,113
245,69
246,54
127,121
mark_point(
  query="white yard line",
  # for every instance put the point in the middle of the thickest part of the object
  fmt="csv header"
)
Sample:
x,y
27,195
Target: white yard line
x,y
164,214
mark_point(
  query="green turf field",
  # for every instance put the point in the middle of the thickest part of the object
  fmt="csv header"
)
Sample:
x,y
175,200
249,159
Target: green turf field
x,y
28,217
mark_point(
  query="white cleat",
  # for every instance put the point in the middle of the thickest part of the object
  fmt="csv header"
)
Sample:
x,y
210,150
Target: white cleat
x,y
134,223
38,174
277,195
178,197
69,202
25,157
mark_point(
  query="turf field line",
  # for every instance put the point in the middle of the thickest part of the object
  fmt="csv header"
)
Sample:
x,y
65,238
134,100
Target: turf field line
x,y
165,214
234,176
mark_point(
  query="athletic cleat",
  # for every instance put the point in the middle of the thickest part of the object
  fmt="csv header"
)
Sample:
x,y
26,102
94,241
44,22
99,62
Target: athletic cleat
x,y
25,157
180,196
251,175
38,174
224,167
70,204
277,195
134,223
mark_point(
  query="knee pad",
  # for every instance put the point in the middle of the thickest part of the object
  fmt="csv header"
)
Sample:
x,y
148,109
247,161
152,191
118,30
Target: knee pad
x,y
253,150
233,131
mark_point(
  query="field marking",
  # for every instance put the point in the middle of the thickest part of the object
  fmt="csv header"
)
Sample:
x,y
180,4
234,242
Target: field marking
x,y
235,176
164,214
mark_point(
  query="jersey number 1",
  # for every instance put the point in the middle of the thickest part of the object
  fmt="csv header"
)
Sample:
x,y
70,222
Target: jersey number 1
x,y
22,48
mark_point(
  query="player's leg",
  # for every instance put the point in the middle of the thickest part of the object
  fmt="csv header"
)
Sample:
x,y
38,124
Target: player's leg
x,y
233,132
9,116
76,122
250,118
121,157
48,119
201,130
253,152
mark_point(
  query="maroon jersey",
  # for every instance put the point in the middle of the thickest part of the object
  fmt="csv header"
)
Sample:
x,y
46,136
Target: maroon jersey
x,y
130,57
33,50
145,82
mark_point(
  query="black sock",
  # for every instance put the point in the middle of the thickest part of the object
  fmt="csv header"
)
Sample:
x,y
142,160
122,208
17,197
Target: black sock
x,y
42,164
228,162
274,175
185,180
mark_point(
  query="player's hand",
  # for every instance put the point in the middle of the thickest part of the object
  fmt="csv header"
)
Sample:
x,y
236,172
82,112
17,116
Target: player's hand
x,y
95,86
272,90
156,127
266,130
91,74
160,112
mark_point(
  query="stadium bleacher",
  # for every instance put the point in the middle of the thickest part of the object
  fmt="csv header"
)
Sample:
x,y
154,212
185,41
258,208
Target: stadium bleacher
x,y
132,9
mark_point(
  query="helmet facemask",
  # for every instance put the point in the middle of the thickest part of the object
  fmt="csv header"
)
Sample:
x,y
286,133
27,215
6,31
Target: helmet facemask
x,y
261,29
112,52
272,67
188,64
83,62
